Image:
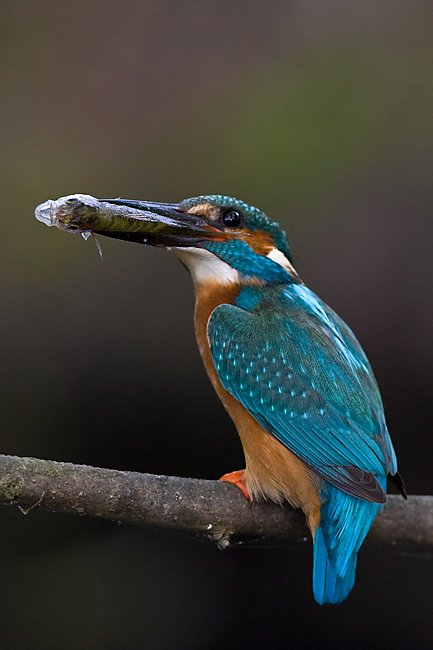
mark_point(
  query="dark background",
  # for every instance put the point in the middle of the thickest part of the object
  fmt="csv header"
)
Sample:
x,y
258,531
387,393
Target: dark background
x,y
321,114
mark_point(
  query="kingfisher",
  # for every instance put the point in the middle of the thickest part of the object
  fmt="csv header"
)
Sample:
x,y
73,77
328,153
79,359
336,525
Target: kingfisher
x,y
290,373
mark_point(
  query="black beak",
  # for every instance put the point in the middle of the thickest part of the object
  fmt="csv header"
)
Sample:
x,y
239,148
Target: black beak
x,y
164,224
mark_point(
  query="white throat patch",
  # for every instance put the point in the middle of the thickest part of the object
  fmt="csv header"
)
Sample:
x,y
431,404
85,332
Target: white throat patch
x,y
277,256
205,267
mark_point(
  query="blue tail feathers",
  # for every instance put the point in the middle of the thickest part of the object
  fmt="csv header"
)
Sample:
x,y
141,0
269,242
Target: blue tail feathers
x,y
344,524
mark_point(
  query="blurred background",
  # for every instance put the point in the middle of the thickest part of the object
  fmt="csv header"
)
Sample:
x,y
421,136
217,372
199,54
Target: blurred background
x,y
319,113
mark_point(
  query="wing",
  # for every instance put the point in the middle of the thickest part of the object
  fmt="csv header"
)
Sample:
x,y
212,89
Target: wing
x,y
302,375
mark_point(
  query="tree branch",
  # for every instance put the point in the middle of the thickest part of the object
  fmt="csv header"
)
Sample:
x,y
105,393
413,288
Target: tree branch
x,y
214,508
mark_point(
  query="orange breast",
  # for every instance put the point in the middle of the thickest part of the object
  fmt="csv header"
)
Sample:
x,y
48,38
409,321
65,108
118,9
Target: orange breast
x,y
272,471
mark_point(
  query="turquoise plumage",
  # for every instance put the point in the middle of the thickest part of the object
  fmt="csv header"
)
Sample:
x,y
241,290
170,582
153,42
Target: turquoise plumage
x,y
344,524
299,370
288,370
319,398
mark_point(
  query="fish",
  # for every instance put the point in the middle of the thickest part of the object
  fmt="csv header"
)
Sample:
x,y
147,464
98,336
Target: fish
x,y
134,221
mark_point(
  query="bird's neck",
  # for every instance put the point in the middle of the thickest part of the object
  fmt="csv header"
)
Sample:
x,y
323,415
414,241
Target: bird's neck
x,y
207,270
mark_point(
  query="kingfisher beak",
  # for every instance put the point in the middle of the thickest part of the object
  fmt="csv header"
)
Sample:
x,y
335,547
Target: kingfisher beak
x,y
164,224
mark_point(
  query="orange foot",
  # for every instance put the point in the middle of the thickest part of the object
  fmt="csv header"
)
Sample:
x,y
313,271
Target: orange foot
x,y
237,478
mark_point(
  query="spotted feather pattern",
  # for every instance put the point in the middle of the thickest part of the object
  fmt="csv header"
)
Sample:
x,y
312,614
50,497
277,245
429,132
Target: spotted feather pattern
x,y
299,370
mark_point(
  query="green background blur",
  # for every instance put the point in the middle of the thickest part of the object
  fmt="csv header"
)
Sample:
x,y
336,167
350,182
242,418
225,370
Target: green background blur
x,y
321,114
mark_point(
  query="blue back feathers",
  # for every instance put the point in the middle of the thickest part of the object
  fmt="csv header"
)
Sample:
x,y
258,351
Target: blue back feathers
x,y
300,372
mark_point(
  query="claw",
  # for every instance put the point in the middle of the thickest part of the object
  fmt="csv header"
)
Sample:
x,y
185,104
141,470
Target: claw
x,y
237,478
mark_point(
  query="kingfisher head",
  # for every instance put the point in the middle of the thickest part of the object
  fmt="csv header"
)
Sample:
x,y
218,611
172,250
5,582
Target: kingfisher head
x,y
223,240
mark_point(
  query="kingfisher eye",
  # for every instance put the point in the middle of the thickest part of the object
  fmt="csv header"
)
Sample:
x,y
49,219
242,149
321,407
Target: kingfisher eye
x,y
231,219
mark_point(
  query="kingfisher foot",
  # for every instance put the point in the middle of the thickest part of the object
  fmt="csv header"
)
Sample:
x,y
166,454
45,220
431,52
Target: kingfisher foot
x,y
237,478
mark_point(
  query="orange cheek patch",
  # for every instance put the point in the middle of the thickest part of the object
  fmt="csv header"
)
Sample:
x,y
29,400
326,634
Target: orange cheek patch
x,y
261,242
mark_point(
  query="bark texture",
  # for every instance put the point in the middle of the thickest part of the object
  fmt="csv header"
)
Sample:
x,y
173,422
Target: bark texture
x,y
209,507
